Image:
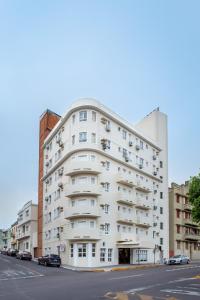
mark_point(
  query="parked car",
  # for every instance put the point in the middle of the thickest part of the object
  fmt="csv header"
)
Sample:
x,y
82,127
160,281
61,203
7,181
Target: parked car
x,y
50,260
178,259
24,255
12,252
4,251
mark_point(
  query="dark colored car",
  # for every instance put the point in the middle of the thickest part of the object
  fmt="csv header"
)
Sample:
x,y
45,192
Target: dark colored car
x,y
12,252
24,255
50,260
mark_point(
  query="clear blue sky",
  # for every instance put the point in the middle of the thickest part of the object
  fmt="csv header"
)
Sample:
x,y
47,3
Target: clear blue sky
x,y
131,55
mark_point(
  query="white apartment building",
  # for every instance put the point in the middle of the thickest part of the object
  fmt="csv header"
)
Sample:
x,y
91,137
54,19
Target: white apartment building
x,y
26,234
106,188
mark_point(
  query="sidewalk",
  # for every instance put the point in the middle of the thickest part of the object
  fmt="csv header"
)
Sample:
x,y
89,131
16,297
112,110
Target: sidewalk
x,y
113,268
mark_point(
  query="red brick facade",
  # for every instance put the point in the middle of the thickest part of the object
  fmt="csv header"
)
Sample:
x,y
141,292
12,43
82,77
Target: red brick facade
x,y
47,122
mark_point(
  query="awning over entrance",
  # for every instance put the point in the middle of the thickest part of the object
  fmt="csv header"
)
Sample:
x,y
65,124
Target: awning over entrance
x,y
136,244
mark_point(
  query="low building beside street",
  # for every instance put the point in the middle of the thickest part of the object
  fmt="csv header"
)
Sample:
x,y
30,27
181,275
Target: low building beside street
x,y
5,238
184,233
27,228
13,233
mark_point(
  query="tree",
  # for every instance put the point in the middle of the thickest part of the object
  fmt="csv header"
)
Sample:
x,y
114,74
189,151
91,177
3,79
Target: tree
x,y
194,197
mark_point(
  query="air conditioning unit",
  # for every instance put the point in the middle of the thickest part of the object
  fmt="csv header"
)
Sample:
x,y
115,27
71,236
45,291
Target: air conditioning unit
x,y
140,166
46,199
58,235
60,185
61,209
60,143
60,172
130,143
154,224
161,177
137,147
107,127
154,157
154,173
47,164
104,146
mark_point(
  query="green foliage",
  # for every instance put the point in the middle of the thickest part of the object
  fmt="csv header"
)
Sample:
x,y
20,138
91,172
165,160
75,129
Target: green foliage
x,y
194,197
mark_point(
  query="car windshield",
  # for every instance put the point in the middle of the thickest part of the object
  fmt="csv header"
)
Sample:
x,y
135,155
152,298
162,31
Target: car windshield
x,y
54,256
177,256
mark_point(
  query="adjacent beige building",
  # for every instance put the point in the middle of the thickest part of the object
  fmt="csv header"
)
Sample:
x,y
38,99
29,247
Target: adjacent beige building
x,y
184,234
27,228
13,233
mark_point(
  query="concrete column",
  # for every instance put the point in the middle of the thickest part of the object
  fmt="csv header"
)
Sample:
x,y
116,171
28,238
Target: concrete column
x,y
89,254
75,254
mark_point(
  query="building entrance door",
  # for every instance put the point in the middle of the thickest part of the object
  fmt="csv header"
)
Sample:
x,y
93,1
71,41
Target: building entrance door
x,y
124,255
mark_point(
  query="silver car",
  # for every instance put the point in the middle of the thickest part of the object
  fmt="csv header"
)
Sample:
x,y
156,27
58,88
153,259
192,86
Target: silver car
x,y
178,259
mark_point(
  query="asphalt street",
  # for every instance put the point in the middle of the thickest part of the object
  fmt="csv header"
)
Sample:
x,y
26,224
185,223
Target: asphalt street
x,y
24,280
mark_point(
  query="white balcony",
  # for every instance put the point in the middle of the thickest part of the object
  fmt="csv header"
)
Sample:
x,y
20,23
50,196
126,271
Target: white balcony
x,y
82,211
125,179
74,190
140,204
125,237
124,199
142,222
81,167
124,219
83,234
142,188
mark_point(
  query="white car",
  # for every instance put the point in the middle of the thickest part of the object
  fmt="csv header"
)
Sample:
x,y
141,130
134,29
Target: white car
x,y
178,259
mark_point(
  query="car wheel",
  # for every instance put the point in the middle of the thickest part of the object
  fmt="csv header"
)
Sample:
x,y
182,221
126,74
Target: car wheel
x,y
181,262
187,261
58,266
38,263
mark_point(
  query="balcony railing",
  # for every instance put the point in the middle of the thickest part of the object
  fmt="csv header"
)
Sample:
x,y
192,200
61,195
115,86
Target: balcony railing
x,y
140,204
142,223
83,234
81,167
82,211
142,188
125,179
191,236
82,190
125,219
124,199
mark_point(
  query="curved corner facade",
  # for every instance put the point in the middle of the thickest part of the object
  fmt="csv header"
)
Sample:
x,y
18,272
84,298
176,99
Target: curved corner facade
x,y
105,197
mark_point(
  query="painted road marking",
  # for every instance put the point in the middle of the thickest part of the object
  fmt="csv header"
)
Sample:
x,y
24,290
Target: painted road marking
x,y
147,287
183,268
22,277
181,292
123,277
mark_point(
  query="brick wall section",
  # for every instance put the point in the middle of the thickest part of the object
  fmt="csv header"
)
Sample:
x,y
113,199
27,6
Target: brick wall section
x,y
47,122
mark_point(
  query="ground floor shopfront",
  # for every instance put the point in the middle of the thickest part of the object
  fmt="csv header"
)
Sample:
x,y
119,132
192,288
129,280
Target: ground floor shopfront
x,y
97,254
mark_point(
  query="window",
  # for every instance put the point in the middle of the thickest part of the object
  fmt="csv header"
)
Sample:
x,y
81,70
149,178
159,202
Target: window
x,y
83,115
102,254
93,138
107,228
94,116
141,145
141,255
177,198
161,210
72,250
27,245
161,241
27,213
73,139
161,164
73,119
93,250
83,137
91,224
106,186
110,250
186,245
178,244
178,228
82,250
124,134
161,225
93,180
178,213
106,208
161,195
